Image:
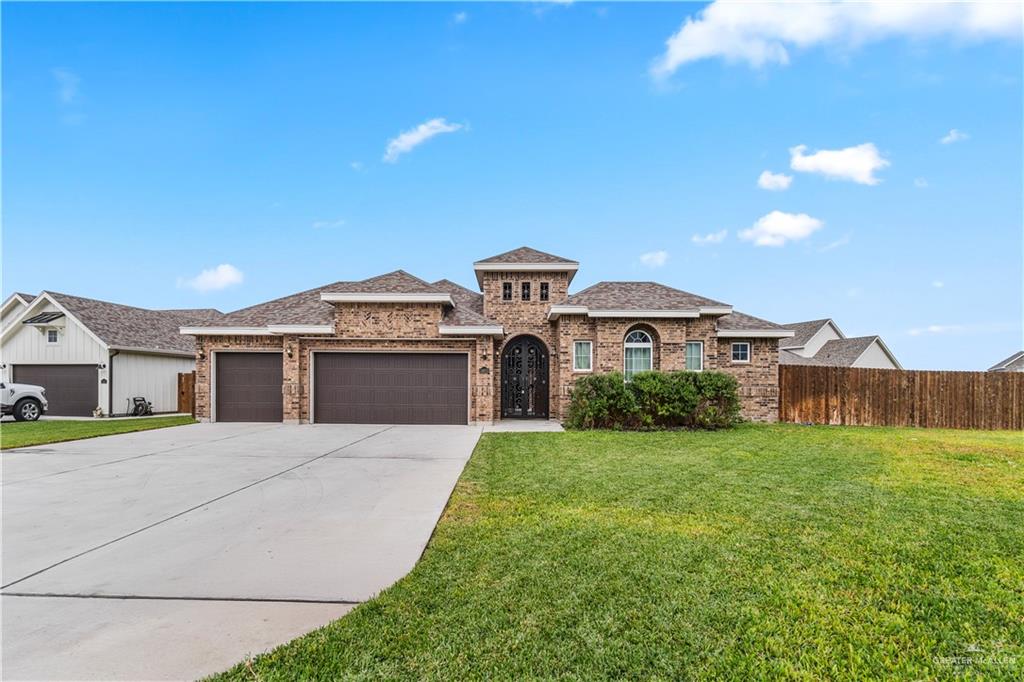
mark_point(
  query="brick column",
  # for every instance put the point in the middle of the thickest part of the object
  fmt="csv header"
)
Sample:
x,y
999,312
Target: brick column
x,y
292,384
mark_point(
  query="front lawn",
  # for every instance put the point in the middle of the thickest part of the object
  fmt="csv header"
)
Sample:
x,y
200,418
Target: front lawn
x,y
23,434
761,552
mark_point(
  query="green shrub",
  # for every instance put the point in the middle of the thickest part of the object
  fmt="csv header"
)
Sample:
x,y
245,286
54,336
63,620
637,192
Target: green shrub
x,y
654,400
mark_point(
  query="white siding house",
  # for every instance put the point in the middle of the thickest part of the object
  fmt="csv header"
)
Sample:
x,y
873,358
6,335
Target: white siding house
x,y
821,342
93,355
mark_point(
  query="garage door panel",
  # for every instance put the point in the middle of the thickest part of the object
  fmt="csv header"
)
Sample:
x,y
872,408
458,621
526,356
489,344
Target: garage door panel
x,y
71,390
249,387
391,388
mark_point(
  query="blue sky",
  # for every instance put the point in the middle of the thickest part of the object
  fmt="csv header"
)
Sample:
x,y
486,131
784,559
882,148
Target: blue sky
x,y
144,144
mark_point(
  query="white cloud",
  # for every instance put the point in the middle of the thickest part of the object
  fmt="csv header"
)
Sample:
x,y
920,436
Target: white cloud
x,y
460,17
709,238
67,85
220,277
411,139
357,166
775,182
854,292
920,183
839,243
327,224
938,284
777,227
764,33
654,259
857,164
954,135
958,329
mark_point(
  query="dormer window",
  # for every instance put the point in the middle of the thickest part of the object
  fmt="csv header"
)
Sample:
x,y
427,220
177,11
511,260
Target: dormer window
x,y
544,291
506,291
526,291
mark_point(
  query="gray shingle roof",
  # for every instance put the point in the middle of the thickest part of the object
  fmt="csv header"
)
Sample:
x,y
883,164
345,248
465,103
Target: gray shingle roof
x,y
790,358
469,305
1014,363
843,352
125,326
741,321
802,332
638,296
397,282
27,297
524,254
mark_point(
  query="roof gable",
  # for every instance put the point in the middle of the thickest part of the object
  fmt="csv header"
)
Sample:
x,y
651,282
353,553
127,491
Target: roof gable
x,y
633,296
805,331
524,254
397,282
1014,363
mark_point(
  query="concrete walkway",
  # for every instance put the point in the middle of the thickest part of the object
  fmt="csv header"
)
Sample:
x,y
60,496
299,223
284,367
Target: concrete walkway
x,y
175,553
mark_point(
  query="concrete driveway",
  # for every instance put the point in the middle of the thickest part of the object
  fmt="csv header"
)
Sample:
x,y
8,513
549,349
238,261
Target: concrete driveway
x,y
175,553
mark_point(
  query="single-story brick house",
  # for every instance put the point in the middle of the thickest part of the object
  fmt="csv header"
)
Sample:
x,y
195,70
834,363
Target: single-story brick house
x,y
397,349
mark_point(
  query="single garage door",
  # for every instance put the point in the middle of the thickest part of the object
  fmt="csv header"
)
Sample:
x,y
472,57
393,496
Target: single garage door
x,y
249,387
71,390
390,388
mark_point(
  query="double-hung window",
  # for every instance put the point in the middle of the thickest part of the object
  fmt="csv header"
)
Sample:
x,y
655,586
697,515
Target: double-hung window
x,y
741,351
582,356
695,355
639,353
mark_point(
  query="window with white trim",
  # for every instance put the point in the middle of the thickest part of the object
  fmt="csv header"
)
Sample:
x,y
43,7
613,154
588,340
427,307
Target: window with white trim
x,y
639,353
582,356
52,336
741,351
695,355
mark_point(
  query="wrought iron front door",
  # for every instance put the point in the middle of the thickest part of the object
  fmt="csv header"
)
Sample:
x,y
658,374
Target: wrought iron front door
x,y
524,378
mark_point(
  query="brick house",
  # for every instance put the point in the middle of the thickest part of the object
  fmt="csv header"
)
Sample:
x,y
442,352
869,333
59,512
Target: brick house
x,y
397,349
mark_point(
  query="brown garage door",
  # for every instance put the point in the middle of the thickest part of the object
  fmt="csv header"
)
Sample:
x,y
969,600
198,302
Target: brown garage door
x,y
390,388
249,387
71,390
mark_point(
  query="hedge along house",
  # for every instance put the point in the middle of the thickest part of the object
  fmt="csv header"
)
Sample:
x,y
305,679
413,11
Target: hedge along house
x,y
396,349
91,354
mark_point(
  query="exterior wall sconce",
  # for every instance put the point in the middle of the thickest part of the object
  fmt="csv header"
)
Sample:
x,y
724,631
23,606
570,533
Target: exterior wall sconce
x,y
201,355
289,351
101,365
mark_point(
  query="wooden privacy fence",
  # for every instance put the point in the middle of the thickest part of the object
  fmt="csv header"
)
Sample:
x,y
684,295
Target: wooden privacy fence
x,y
896,397
187,392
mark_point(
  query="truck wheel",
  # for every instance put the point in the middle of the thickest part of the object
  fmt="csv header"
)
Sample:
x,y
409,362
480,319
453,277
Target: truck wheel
x,y
27,410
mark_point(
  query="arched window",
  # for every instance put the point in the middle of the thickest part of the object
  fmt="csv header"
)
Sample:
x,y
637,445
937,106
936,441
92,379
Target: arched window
x,y
639,353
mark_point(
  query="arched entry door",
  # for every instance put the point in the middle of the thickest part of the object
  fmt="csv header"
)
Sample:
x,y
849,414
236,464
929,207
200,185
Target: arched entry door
x,y
524,378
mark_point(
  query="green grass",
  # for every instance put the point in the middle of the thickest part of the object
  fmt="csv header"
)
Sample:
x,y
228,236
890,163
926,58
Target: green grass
x,y
23,434
789,552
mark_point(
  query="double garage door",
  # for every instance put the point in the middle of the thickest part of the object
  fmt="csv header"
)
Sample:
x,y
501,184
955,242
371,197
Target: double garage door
x,y
349,388
71,390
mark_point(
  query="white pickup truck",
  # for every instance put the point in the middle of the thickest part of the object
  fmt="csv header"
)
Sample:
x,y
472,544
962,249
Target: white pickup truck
x,y
26,402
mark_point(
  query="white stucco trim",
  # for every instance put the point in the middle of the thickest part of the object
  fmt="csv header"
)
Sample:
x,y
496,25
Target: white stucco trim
x,y
471,330
331,297
225,331
301,328
754,333
556,310
715,309
571,266
645,313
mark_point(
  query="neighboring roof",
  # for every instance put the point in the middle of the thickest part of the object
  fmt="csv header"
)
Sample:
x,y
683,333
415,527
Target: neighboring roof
x,y
128,327
28,298
787,357
524,254
1014,363
843,352
803,331
639,296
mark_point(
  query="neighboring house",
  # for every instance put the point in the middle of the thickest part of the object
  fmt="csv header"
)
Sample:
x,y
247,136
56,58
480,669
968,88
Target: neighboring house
x,y
821,342
1014,363
397,349
90,354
